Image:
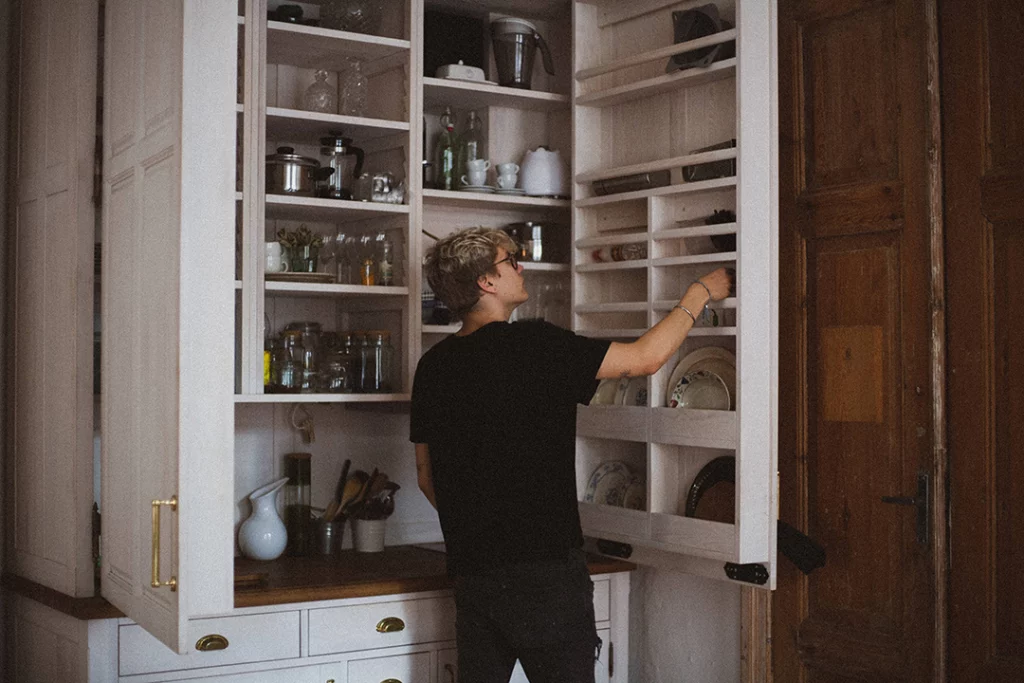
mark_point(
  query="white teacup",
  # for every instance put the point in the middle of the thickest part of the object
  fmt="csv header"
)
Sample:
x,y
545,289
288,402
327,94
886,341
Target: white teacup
x,y
478,165
274,261
508,168
474,177
507,181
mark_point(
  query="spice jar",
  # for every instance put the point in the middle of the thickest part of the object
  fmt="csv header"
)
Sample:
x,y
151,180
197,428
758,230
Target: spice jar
x,y
297,512
376,355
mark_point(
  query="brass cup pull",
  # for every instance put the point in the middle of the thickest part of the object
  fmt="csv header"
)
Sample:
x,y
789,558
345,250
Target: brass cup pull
x,y
391,680
390,625
212,642
156,582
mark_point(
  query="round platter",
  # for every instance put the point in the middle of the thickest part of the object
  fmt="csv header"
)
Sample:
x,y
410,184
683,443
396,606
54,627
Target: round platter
x,y
608,483
714,358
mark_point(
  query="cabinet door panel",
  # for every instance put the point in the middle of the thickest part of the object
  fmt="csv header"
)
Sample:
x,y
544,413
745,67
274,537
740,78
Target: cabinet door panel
x,y
167,310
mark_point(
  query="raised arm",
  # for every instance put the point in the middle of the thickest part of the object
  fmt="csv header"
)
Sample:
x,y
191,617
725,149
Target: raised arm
x,y
648,353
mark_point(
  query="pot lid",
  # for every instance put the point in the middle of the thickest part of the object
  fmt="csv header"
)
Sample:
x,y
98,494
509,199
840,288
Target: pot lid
x,y
287,155
513,25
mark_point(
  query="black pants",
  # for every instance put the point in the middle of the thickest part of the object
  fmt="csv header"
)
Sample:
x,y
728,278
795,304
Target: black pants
x,y
539,613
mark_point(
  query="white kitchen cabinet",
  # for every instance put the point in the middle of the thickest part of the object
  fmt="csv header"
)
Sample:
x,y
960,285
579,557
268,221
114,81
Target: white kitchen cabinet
x,y
185,299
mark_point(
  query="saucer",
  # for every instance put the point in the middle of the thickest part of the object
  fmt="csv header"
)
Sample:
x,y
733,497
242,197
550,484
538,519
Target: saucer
x,y
476,188
511,190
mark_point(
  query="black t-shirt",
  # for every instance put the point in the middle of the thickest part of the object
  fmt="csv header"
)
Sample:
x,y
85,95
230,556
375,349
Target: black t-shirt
x,y
497,409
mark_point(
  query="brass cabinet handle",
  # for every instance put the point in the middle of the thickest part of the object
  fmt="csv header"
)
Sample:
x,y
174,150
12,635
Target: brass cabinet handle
x,y
390,625
391,680
173,581
214,641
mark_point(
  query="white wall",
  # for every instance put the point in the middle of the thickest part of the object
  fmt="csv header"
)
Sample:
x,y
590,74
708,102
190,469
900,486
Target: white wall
x,y
683,628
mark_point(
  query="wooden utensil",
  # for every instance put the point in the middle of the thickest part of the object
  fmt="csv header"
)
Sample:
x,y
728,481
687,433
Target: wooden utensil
x,y
335,505
352,489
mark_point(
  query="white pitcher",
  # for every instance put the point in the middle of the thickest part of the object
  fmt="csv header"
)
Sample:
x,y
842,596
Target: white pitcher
x,y
543,172
263,535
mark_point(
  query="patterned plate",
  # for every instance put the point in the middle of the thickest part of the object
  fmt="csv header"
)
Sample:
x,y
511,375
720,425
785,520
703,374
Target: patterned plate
x,y
608,483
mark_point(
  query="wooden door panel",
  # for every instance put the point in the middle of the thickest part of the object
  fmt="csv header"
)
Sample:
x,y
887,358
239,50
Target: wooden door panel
x,y
983,148
855,365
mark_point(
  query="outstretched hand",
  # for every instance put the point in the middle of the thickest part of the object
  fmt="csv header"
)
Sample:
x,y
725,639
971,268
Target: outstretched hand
x,y
719,282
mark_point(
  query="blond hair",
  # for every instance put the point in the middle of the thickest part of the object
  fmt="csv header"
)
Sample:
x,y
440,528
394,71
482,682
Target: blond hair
x,y
455,263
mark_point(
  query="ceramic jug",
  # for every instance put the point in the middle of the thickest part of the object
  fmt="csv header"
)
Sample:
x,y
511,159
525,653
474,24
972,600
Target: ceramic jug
x,y
543,173
263,535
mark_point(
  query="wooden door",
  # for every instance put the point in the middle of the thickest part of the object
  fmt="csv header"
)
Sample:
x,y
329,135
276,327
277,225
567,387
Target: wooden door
x,y
52,235
983,145
855,336
168,309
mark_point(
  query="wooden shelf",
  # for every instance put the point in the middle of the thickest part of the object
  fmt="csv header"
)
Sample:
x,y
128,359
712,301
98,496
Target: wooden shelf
x,y
619,333
545,267
455,198
321,398
658,54
311,47
277,288
307,126
658,165
660,84
438,92
712,332
700,428
681,188
669,304
288,207
611,240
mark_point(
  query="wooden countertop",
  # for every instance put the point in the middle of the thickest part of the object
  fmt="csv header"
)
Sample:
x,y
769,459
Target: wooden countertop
x,y
399,569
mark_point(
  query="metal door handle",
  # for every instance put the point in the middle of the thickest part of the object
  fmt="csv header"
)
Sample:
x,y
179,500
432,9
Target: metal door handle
x,y
922,501
156,582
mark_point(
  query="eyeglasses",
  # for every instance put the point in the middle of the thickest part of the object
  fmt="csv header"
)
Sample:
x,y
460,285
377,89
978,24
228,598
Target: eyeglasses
x,y
512,261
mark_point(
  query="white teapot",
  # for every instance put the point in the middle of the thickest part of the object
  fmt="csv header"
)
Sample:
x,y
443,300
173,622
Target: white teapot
x,y
544,172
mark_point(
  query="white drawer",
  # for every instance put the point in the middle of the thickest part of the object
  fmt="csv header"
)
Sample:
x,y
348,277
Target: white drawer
x,y
355,627
251,638
602,600
414,668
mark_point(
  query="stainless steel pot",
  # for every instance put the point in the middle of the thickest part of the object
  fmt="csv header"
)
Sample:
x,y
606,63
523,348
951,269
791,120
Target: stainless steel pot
x,y
540,242
291,173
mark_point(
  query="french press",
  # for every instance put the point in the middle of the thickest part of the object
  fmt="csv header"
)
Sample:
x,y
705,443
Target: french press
x,y
347,162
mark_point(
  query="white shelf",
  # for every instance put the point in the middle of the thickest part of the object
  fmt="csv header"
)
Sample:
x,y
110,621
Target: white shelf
x,y
614,265
320,398
676,80
712,332
658,54
658,165
611,240
295,124
714,257
456,198
441,329
288,207
438,92
616,307
312,47
277,288
695,231
681,188
669,304
545,267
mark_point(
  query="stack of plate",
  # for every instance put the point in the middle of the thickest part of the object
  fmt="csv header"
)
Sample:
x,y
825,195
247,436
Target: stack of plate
x,y
614,483
704,380
625,391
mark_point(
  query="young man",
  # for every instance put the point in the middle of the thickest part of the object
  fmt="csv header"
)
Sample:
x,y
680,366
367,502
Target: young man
x,y
494,424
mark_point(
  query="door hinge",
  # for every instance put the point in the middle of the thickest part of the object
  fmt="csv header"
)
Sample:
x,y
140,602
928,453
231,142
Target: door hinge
x,y
750,573
611,659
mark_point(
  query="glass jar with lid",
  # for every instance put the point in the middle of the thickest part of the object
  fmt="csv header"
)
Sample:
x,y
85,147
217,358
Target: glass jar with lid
x,y
377,357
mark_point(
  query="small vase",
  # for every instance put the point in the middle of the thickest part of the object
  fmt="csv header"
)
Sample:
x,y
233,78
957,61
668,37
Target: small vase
x,y
263,535
319,97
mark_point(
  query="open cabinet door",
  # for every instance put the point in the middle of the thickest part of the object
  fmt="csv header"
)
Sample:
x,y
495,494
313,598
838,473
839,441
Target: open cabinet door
x,y
168,310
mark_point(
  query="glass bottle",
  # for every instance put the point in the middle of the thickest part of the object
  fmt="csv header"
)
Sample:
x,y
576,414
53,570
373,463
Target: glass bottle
x,y
320,96
470,144
447,150
297,513
385,261
354,89
377,358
